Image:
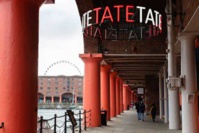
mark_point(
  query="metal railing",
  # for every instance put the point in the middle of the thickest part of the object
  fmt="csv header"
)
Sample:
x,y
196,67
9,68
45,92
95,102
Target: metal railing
x,y
83,118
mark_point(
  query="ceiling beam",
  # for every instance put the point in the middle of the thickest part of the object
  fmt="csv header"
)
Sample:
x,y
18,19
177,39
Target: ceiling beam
x,y
136,65
137,73
134,55
137,68
140,61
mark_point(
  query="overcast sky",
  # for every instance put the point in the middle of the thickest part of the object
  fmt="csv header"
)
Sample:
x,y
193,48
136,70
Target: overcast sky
x,y
60,38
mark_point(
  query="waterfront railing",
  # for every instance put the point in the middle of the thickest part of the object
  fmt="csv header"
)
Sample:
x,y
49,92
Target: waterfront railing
x,y
83,119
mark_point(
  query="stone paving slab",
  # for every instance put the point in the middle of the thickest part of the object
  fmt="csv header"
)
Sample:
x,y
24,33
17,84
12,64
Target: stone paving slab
x,y
127,123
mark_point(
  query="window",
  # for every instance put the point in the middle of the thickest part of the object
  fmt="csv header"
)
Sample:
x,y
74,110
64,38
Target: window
x,y
56,83
80,79
80,83
56,88
64,88
41,88
48,93
41,83
79,93
48,88
65,83
56,93
79,88
48,83
48,79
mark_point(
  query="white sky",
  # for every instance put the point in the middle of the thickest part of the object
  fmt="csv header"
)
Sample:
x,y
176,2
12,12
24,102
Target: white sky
x,y
60,38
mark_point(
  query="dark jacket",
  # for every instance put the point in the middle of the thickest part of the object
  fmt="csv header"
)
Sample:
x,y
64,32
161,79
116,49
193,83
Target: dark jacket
x,y
153,110
141,107
137,106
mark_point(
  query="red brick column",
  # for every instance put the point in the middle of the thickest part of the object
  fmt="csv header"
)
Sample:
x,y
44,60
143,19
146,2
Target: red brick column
x,y
125,97
44,99
75,99
91,88
52,99
117,95
113,94
105,88
121,95
60,99
18,65
129,96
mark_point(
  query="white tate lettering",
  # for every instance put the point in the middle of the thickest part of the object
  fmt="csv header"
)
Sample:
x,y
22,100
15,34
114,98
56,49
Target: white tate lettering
x,y
152,16
89,18
156,18
149,17
140,9
83,22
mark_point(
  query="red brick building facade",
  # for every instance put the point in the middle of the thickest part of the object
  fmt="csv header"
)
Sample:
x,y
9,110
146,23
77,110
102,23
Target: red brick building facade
x,y
60,89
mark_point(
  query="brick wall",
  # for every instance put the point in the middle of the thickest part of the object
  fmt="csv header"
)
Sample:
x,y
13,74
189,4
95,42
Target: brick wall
x,y
152,92
56,86
189,7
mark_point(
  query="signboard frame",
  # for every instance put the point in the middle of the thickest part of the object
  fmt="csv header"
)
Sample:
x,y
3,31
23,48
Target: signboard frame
x,y
140,91
72,118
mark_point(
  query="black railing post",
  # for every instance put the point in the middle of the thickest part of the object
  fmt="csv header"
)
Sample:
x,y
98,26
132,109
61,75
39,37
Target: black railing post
x,y
80,124
65,123
55,123
41,124
72,124
85,120
73,129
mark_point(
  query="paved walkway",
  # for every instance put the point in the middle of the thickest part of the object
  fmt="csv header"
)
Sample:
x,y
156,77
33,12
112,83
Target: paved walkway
x,y
127,123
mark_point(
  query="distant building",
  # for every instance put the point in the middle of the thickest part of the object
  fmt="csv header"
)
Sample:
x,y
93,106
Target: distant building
x,y
60,89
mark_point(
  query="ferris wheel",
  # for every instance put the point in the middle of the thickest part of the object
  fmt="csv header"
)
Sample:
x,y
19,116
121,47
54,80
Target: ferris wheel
x,y
61,62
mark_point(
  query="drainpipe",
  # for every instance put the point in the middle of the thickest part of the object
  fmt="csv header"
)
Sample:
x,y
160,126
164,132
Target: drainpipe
x,y
174,111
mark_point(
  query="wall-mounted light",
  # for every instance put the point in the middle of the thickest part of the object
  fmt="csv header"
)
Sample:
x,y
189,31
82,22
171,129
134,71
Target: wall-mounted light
x,y
167,51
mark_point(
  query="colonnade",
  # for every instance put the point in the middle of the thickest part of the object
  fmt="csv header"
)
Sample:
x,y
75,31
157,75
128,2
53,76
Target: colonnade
x,y
169,100
114,96
103,90
52,99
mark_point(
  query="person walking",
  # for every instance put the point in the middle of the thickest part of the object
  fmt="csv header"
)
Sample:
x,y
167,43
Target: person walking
x,y
141,111
153,112
137,108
